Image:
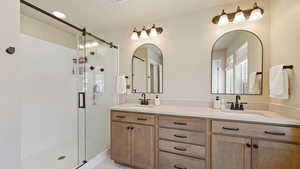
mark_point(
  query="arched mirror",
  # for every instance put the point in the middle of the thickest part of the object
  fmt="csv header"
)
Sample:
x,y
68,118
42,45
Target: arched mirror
x,y
147,69
237,64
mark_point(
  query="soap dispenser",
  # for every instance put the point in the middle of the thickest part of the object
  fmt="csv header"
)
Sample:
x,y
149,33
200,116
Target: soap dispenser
x,y
157,100
217,103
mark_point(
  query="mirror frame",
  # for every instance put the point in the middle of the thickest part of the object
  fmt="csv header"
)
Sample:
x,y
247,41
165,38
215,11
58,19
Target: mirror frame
x,y
132,57
262,65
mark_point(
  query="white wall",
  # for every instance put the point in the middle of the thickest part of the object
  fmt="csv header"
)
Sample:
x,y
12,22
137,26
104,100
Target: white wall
x,y
10,116
285,36
49,105
186,44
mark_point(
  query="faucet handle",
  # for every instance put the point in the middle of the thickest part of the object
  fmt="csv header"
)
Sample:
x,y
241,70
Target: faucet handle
x,y
242,105
231,105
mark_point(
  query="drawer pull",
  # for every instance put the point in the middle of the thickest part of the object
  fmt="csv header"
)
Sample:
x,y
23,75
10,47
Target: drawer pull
x,y
180,123
180,148
178,136
177,167
275,133
120,117
231,129
142,119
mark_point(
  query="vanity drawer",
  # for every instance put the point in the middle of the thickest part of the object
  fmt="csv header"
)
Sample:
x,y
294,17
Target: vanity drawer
x,y
143,119
183,136
120,116
280,133
173,161
182,123
133,117
183,149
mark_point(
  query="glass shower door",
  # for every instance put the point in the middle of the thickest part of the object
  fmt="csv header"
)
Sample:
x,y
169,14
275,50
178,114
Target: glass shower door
x,y
100,94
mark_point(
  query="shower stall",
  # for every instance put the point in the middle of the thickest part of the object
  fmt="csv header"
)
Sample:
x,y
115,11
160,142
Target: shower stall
x,y
67,92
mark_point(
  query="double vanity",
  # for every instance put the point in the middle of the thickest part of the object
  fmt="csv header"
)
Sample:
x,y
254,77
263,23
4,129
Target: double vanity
x,y
173,137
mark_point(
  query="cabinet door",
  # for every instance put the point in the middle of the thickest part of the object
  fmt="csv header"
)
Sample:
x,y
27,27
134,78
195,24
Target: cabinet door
x,y
120,143
143,147
231,152
275,155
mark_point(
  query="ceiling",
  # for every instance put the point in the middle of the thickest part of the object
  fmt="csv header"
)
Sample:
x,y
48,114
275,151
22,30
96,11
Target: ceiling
x,y
103,15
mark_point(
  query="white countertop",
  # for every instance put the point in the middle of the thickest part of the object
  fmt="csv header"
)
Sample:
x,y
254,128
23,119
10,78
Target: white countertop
x,y
202,112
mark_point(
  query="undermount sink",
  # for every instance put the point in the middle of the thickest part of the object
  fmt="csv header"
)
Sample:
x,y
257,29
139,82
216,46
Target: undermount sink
x,y
245,112
142,106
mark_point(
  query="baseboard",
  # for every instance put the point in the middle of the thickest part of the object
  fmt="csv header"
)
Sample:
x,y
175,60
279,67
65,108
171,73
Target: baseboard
x,y
96,160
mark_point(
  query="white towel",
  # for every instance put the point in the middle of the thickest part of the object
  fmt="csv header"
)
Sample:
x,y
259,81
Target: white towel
x,y
121,85
279,83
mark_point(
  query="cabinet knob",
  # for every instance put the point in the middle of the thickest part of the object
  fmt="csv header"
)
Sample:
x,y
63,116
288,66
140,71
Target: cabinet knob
x,y
130,128
11,50
248,145
255,146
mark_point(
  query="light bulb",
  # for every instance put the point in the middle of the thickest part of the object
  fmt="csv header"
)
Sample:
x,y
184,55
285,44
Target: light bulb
x,y
223,19
239,16
256,14
134,35
153,32
144,34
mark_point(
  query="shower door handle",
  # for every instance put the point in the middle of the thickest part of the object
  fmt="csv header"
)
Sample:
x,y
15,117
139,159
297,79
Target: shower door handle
x,y
81,100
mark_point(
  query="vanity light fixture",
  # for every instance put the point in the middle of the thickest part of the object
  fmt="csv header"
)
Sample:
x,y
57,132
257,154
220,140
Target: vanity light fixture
x,y
153,32
257,13
146,33
134,35
223,18
240,15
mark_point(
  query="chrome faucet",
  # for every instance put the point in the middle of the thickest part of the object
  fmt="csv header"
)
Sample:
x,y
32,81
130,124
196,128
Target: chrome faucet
x,y
237,105
144,100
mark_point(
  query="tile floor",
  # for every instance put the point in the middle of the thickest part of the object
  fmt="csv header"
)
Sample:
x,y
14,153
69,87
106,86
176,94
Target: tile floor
x,y
109,164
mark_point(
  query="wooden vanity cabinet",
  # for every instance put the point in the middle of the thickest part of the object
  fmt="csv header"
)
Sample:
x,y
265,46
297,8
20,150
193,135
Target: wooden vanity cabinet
x,y
231,152
133,141
275,155
121,143
265,147
148,141
183,143
142,148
